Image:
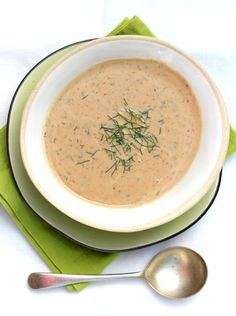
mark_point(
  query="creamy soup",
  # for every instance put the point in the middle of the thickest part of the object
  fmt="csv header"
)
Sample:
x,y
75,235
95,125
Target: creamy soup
x,y
123,132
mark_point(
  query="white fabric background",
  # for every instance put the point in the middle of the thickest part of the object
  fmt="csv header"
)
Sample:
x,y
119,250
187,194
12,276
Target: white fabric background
x,y
31,29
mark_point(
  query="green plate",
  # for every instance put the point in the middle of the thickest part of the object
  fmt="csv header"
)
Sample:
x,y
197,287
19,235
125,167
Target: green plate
x,y
87,236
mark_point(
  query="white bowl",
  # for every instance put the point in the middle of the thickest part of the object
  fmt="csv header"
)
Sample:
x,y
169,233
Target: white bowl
x,y
187,192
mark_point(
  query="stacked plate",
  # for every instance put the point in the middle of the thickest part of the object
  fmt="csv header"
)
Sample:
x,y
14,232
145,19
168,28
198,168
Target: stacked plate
x,y
87,235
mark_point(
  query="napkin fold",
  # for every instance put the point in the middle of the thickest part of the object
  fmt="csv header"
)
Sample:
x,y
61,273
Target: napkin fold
x,y
61,254
134,26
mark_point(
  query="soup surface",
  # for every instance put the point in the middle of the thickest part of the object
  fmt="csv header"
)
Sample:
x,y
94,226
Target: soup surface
x,y
123,132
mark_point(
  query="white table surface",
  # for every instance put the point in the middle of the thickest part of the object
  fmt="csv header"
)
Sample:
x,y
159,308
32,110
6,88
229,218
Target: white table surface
x,y
29,30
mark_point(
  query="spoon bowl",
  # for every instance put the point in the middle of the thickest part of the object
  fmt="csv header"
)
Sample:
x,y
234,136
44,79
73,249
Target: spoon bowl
x,y
174,273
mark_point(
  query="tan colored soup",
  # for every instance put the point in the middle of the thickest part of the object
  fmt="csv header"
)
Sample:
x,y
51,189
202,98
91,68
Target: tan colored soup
x,y
124,132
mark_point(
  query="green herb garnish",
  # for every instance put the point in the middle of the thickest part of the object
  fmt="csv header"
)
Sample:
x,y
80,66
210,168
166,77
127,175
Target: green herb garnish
x,y
84,96
126,164
81,162
92,154
125,135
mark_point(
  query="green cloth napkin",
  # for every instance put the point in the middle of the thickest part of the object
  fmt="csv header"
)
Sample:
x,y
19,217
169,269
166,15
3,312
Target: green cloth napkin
x,y
61,254
232,142
131,26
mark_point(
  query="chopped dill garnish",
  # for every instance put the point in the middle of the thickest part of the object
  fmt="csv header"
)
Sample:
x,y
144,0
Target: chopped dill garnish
x,y
81,162
85,96
87,131
125,135
126,164
92,154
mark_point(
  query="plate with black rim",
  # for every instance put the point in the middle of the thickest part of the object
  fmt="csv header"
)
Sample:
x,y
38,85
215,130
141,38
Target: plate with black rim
x,y
82,234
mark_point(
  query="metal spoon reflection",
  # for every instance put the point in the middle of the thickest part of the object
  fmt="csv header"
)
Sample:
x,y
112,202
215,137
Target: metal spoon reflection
x,y
174,272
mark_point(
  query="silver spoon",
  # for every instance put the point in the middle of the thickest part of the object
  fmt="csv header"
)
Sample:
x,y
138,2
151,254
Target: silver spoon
x,y
174,273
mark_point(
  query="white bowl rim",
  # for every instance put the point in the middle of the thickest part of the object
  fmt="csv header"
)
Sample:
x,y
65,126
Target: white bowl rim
x,y
179,210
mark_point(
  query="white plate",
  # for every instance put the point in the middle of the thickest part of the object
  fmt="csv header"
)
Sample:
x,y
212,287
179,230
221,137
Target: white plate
x,y
194,184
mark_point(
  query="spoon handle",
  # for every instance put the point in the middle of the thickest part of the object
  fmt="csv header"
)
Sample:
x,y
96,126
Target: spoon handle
x,y
39,280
